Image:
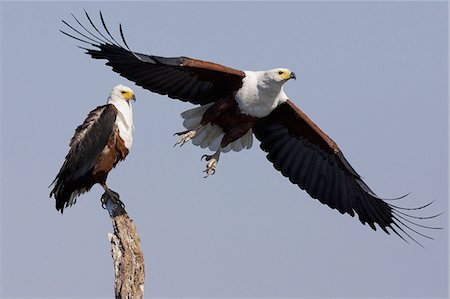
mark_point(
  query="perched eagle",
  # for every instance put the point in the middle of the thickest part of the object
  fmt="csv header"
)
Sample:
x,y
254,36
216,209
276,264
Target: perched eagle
x,y
233,106
104,139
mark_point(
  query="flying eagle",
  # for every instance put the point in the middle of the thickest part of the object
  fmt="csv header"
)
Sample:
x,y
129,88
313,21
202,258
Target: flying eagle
x,y
233,106
104,139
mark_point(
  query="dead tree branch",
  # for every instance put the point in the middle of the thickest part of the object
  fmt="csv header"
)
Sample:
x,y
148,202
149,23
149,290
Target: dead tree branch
x,y
126,252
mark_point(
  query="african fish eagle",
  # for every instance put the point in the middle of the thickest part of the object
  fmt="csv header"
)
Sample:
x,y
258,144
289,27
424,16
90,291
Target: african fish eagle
x,y
104,139
233,106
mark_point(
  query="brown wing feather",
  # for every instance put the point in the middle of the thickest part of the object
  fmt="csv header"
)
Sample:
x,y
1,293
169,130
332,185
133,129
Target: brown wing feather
x,y
312,160
86,146
183,78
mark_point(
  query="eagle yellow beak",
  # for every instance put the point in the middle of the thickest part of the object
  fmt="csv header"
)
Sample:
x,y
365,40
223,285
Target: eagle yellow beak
x,y
129,95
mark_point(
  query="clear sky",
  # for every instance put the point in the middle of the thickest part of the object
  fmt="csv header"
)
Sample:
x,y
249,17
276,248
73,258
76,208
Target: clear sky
x,y
372,75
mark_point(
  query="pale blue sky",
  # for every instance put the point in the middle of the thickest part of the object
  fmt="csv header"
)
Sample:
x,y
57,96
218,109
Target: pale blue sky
x,y
372,75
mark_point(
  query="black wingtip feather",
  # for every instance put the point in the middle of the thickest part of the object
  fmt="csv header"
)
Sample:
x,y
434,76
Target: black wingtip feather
x,y
340,189
104,40
106,28
82,34
123,37
96,38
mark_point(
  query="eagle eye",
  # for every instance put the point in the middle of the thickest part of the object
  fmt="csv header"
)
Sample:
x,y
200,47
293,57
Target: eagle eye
x,y
280,73
123,91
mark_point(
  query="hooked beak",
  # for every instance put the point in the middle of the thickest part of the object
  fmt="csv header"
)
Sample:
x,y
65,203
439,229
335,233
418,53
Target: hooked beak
x,y
292,76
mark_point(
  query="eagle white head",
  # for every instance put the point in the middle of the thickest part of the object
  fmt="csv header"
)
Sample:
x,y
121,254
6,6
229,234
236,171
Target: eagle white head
x,y
280,75
121,93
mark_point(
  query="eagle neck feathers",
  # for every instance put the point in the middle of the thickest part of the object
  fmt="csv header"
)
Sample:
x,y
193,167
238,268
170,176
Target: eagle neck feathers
x,y
259,96
124,119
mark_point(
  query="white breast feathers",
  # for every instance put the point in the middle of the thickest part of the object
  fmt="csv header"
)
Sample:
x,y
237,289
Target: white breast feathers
x,y
124,120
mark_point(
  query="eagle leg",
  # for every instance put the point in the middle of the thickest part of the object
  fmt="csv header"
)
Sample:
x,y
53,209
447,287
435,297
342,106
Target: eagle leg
x,y
185,137
110,195
212,162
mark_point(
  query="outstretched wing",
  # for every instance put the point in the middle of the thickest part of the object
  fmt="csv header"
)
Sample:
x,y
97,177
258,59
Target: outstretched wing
x,y
313,161
183,78
85,147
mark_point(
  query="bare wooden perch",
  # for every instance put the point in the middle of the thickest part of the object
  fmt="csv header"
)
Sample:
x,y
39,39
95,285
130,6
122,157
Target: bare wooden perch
x,y
126,252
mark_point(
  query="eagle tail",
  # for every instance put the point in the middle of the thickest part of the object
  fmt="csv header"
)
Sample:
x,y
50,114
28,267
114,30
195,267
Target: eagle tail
x,y
66,192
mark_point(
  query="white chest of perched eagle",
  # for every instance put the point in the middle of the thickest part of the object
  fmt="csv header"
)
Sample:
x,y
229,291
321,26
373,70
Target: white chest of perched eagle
x,y
234,106
104,139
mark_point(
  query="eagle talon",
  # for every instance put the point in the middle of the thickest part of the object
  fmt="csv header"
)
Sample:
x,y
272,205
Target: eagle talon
x,y
111,195
210,166
180,133
208,173
119,202
116,199
104,199
206,157
186,136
